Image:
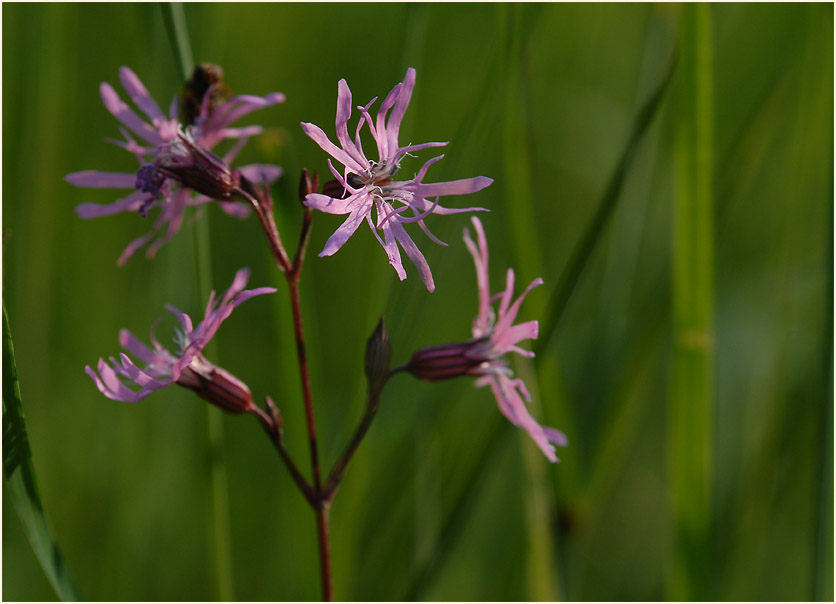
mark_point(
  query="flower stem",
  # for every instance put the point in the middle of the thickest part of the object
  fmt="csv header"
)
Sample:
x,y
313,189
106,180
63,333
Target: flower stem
x,y
322,509
336,475
272,426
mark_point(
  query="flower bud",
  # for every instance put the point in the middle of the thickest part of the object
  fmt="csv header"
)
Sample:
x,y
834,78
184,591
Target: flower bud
x,y
378,355
446,361
206,86
307,185
216,385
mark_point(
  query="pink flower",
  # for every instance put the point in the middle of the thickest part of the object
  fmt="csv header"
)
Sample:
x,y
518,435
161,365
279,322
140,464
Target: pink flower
x,y
370,184
494,336
154,136
187,367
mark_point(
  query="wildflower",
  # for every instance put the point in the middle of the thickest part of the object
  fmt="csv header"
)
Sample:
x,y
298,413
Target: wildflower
x,y
370,184
187,367
185,162
155,136
494,335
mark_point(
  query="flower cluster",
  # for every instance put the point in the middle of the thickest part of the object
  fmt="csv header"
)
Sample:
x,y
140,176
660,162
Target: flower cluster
x,y
159,135
187,366
494,336
178,169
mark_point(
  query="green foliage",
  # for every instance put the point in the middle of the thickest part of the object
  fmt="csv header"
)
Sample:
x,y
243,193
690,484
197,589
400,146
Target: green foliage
x,y
20,476
567,108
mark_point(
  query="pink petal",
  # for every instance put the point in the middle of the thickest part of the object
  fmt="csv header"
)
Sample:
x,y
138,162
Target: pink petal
x,y
510,403
399,110
344,233
414,254
234,209
383,138
131,203
505,337
132,247
139,94
343,115
185,320
102,180
321,139
329,205
390,246
556,436
252,293
506,318
261,173
124,114
453,187
241,105
132,344
481,324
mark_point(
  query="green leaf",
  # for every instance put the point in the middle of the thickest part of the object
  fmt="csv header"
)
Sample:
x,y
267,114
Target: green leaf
x,y
20,476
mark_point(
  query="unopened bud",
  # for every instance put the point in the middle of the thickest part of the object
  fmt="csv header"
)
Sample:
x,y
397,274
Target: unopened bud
x,y
447,361
378,355
305,185
205,88
217,386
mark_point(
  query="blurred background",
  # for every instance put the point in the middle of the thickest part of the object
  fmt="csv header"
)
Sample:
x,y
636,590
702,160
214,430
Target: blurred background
x,y
701,454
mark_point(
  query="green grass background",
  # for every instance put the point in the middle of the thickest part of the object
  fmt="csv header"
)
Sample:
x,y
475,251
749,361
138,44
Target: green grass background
x,y
443,501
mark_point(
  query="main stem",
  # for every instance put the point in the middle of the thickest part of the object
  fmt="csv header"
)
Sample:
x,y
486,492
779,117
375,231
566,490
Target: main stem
x,y
322,508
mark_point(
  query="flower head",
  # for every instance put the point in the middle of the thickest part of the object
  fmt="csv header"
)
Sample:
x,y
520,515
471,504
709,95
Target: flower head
x,y
494,336
371,185
187,366
148,139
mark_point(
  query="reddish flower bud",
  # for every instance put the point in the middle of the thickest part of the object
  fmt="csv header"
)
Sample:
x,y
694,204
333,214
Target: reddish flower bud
x,y
378,354
448,360
216,385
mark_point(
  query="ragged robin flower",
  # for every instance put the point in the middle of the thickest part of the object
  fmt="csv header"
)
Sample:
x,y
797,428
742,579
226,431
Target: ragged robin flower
x,y
494,336
186,366
371,185
155,135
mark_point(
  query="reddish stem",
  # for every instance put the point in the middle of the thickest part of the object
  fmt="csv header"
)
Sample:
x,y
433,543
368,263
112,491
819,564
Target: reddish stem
x,y
292,274
321,510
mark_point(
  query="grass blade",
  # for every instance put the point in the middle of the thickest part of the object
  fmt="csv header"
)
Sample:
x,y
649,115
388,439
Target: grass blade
x,y
175,26
175,23
691,401
20,476
543,582
561,294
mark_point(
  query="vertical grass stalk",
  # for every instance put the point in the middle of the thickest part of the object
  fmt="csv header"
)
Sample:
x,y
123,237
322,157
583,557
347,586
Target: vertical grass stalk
x,y
175,22
542,579
692,385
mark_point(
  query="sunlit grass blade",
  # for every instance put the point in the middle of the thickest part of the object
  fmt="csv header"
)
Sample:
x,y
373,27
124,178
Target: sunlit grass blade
x,y
175,25
691,399
21,480
582,252
541,563
175,22
455,518
822,581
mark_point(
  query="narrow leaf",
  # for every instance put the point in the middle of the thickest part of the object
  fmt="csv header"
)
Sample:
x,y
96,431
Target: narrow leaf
x,y
20,476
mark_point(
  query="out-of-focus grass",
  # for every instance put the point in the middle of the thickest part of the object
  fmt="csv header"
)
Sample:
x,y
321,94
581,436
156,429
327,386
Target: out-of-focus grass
x,y
690,440
543,98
